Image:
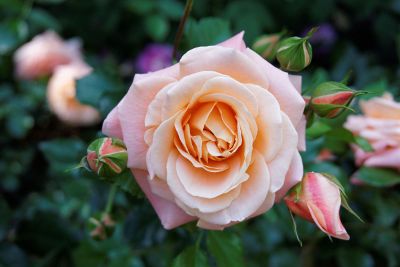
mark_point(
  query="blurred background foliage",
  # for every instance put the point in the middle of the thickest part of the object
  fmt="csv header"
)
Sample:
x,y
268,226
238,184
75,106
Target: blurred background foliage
x,y
45,205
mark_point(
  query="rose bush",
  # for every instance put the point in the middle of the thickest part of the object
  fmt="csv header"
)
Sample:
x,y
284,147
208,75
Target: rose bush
x,y
214,138
380,125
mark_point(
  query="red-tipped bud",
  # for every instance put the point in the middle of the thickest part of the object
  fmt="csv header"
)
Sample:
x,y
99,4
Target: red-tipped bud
x,y
317,198
107,157
330,99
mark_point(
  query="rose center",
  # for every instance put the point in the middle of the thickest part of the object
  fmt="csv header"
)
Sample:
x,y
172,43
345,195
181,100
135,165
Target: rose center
x,y
210,133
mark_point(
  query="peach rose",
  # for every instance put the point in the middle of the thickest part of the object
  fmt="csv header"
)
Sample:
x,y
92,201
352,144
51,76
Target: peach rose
x,y
214,138
43,53
380,125
61,96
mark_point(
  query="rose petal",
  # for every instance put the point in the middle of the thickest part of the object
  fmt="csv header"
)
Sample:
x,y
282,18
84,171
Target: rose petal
x,y
269,120
252,196
111,125
290,100
132,112
293,176
279,166
196,205
235,42
170,214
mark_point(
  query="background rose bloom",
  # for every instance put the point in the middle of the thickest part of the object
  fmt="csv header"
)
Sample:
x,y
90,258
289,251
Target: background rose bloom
x,y
61,96
43,53
214,138
380,125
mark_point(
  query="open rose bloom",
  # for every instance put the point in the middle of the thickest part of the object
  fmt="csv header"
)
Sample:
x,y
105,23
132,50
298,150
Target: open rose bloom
x,y
214,138
380,125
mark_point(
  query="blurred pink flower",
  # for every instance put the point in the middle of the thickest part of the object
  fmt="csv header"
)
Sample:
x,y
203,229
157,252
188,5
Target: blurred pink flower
x,y
154,57
380,125
61,96
43,54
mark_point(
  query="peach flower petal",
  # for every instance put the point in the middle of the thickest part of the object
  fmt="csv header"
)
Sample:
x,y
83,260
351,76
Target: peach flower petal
x,y
252,195
293,176
224,60
235,42
279,166
196,205
270,123
198,182
290,100
132,112
170,214
111,124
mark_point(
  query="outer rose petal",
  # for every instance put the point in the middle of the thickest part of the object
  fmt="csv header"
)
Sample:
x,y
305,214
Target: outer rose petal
x,y
132,112
169,213
292,103
381,108
279,166
235,42
111,125
293,176
224,60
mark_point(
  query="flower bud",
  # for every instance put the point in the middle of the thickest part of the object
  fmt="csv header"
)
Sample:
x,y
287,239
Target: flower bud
x,y
101,227
107,157
294,53
317,198
266,45
330,99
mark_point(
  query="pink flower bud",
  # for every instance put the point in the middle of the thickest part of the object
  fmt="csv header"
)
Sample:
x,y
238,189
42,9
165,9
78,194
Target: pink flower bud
x,y
330,99
107,157
318,199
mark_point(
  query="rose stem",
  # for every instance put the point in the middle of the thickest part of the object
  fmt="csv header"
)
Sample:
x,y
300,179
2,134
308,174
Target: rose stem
x,y
181,27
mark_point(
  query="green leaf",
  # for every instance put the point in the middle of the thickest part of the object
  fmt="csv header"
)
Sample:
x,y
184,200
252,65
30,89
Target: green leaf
x,y
141,7
207,31
127,182
317,129
96,89
378,177
191,256
43,20
226,248
157,27
60,158
363,144
8,39
12,255
354,257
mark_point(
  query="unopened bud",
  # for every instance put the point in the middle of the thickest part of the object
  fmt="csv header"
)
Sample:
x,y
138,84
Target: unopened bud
x,y
266,45
330,99
107,157
101,227
295,53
